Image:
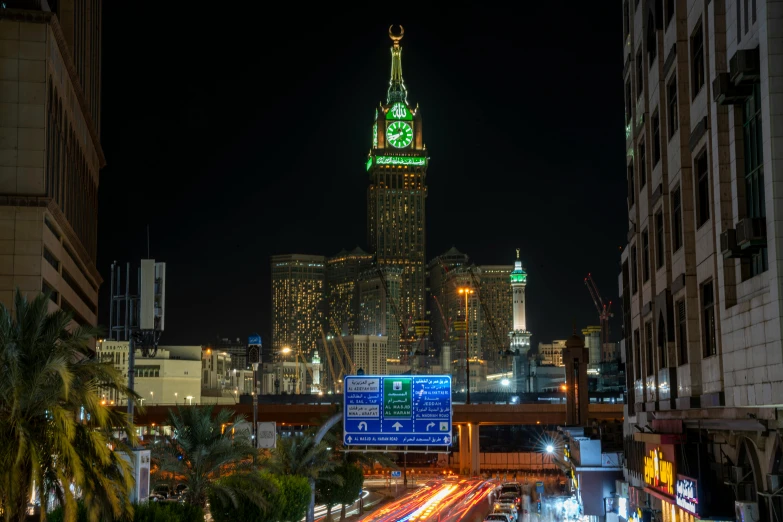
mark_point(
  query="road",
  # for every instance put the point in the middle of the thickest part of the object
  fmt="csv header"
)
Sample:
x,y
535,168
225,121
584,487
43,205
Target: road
x,y
451,500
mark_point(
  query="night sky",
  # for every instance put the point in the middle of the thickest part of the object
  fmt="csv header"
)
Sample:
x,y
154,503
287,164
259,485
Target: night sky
x,y
237,133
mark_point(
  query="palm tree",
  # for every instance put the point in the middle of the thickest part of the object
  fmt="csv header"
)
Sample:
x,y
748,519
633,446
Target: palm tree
x,y
304,457
206,446
54,431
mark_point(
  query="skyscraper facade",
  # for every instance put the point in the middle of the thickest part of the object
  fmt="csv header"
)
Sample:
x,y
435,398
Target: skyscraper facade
x,y
496,317
397,168
379,297
50,152
701,274
342,289
437,272
297,302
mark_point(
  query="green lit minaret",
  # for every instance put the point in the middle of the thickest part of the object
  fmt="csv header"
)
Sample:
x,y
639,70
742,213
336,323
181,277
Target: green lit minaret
x,y
520,336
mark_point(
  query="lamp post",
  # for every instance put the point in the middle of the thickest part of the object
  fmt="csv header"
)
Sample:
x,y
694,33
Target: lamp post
x,y
175,398
467,292
152,397
255,404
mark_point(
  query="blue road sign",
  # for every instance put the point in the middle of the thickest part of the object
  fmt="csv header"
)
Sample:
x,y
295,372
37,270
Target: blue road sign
x,y
396,474
397,410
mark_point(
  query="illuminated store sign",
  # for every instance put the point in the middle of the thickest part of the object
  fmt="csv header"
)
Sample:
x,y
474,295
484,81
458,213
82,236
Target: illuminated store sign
x,y
659,473
687,494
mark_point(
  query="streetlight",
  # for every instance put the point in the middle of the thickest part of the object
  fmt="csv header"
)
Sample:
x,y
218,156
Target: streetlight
x,y
467,292
190,400
175,397
505,382
152,397
550,448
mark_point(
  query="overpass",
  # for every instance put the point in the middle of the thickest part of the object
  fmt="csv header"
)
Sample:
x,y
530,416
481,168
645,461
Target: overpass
x,y
464,414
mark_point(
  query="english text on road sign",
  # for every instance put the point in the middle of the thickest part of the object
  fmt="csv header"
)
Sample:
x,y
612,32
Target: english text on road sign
x,y
397,410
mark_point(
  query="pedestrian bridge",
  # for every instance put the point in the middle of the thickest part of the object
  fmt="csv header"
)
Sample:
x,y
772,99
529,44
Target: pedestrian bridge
x,y
464,414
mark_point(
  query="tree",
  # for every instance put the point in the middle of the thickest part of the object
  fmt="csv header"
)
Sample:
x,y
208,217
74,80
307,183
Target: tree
x,y
351,488
304,457
54,430
206,446
286,499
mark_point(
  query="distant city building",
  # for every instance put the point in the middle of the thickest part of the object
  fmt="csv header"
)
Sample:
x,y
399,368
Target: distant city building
x,y
368,353
379,298
215,369
172,375
551,354
592,335
397,168
286,377
496,315
298,283
342,289
466,333
437,271
700,277
51,152
610,352
236,348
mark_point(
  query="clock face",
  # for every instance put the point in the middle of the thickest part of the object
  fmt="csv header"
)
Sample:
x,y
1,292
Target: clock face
x,y
399,134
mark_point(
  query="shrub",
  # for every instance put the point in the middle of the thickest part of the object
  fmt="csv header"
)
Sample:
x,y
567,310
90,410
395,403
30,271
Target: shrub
x,y
148,512
286,498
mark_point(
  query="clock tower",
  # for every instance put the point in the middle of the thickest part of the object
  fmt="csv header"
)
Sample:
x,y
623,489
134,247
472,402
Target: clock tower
x,y
397,168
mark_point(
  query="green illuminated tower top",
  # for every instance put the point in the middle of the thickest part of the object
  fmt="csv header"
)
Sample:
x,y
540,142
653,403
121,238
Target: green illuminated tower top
x,y
397,90
518,275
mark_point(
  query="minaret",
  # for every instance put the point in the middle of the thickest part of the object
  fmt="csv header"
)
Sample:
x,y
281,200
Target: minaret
x,y
520,337
316,367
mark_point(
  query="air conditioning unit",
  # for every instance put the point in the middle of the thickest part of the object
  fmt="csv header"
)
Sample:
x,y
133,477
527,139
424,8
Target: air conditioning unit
x,y
726,93
752,233
728,244
746,511
745,66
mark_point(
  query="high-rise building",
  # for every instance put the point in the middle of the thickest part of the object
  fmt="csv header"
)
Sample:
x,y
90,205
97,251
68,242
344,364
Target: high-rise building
x,y
551,354
700,277
497,316
379,298
593,344
342,289
519,335
297,302
465,278
236,348
368,353
50,152
397,167
437,270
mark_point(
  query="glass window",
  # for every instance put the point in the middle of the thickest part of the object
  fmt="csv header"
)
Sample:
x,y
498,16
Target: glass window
x,y
637,355
754,170
639,73
702,189
663,356
708,344
676,220
682,339
697,59
671,92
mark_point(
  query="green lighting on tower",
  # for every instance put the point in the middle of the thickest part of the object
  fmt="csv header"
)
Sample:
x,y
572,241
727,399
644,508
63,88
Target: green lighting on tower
x,y
399,111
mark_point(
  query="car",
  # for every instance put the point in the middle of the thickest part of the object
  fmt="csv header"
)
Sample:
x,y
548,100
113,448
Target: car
x,y
508,487
510,498
506,509
498,517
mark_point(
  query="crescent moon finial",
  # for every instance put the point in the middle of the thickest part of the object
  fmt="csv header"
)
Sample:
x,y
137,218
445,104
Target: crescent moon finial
x,y
396,38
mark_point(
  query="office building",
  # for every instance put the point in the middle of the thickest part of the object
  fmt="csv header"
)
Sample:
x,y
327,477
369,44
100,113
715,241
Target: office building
x,y
496,317
442,323
50,152
368,353
379,295
342,290
297,302
551,354
700,278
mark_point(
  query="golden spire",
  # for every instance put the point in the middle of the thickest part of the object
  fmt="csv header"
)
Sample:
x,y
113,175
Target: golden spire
x,y
397,90
517,253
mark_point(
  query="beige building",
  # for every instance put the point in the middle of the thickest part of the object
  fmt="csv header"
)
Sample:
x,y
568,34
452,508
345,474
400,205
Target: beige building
x,y
368,352
50,153
216,370
701,274
171,376
592,335
297,302
551,353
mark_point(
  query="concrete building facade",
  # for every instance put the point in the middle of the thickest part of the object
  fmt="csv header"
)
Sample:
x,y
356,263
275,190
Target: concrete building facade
x,y
701,273
342,289
50,152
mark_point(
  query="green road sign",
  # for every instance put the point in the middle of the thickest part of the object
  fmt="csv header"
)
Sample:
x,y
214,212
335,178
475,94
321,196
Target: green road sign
x,y
397,398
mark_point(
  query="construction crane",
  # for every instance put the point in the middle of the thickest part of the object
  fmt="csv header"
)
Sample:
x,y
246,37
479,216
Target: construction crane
x,y
348,358
446,322
328,357
604,309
